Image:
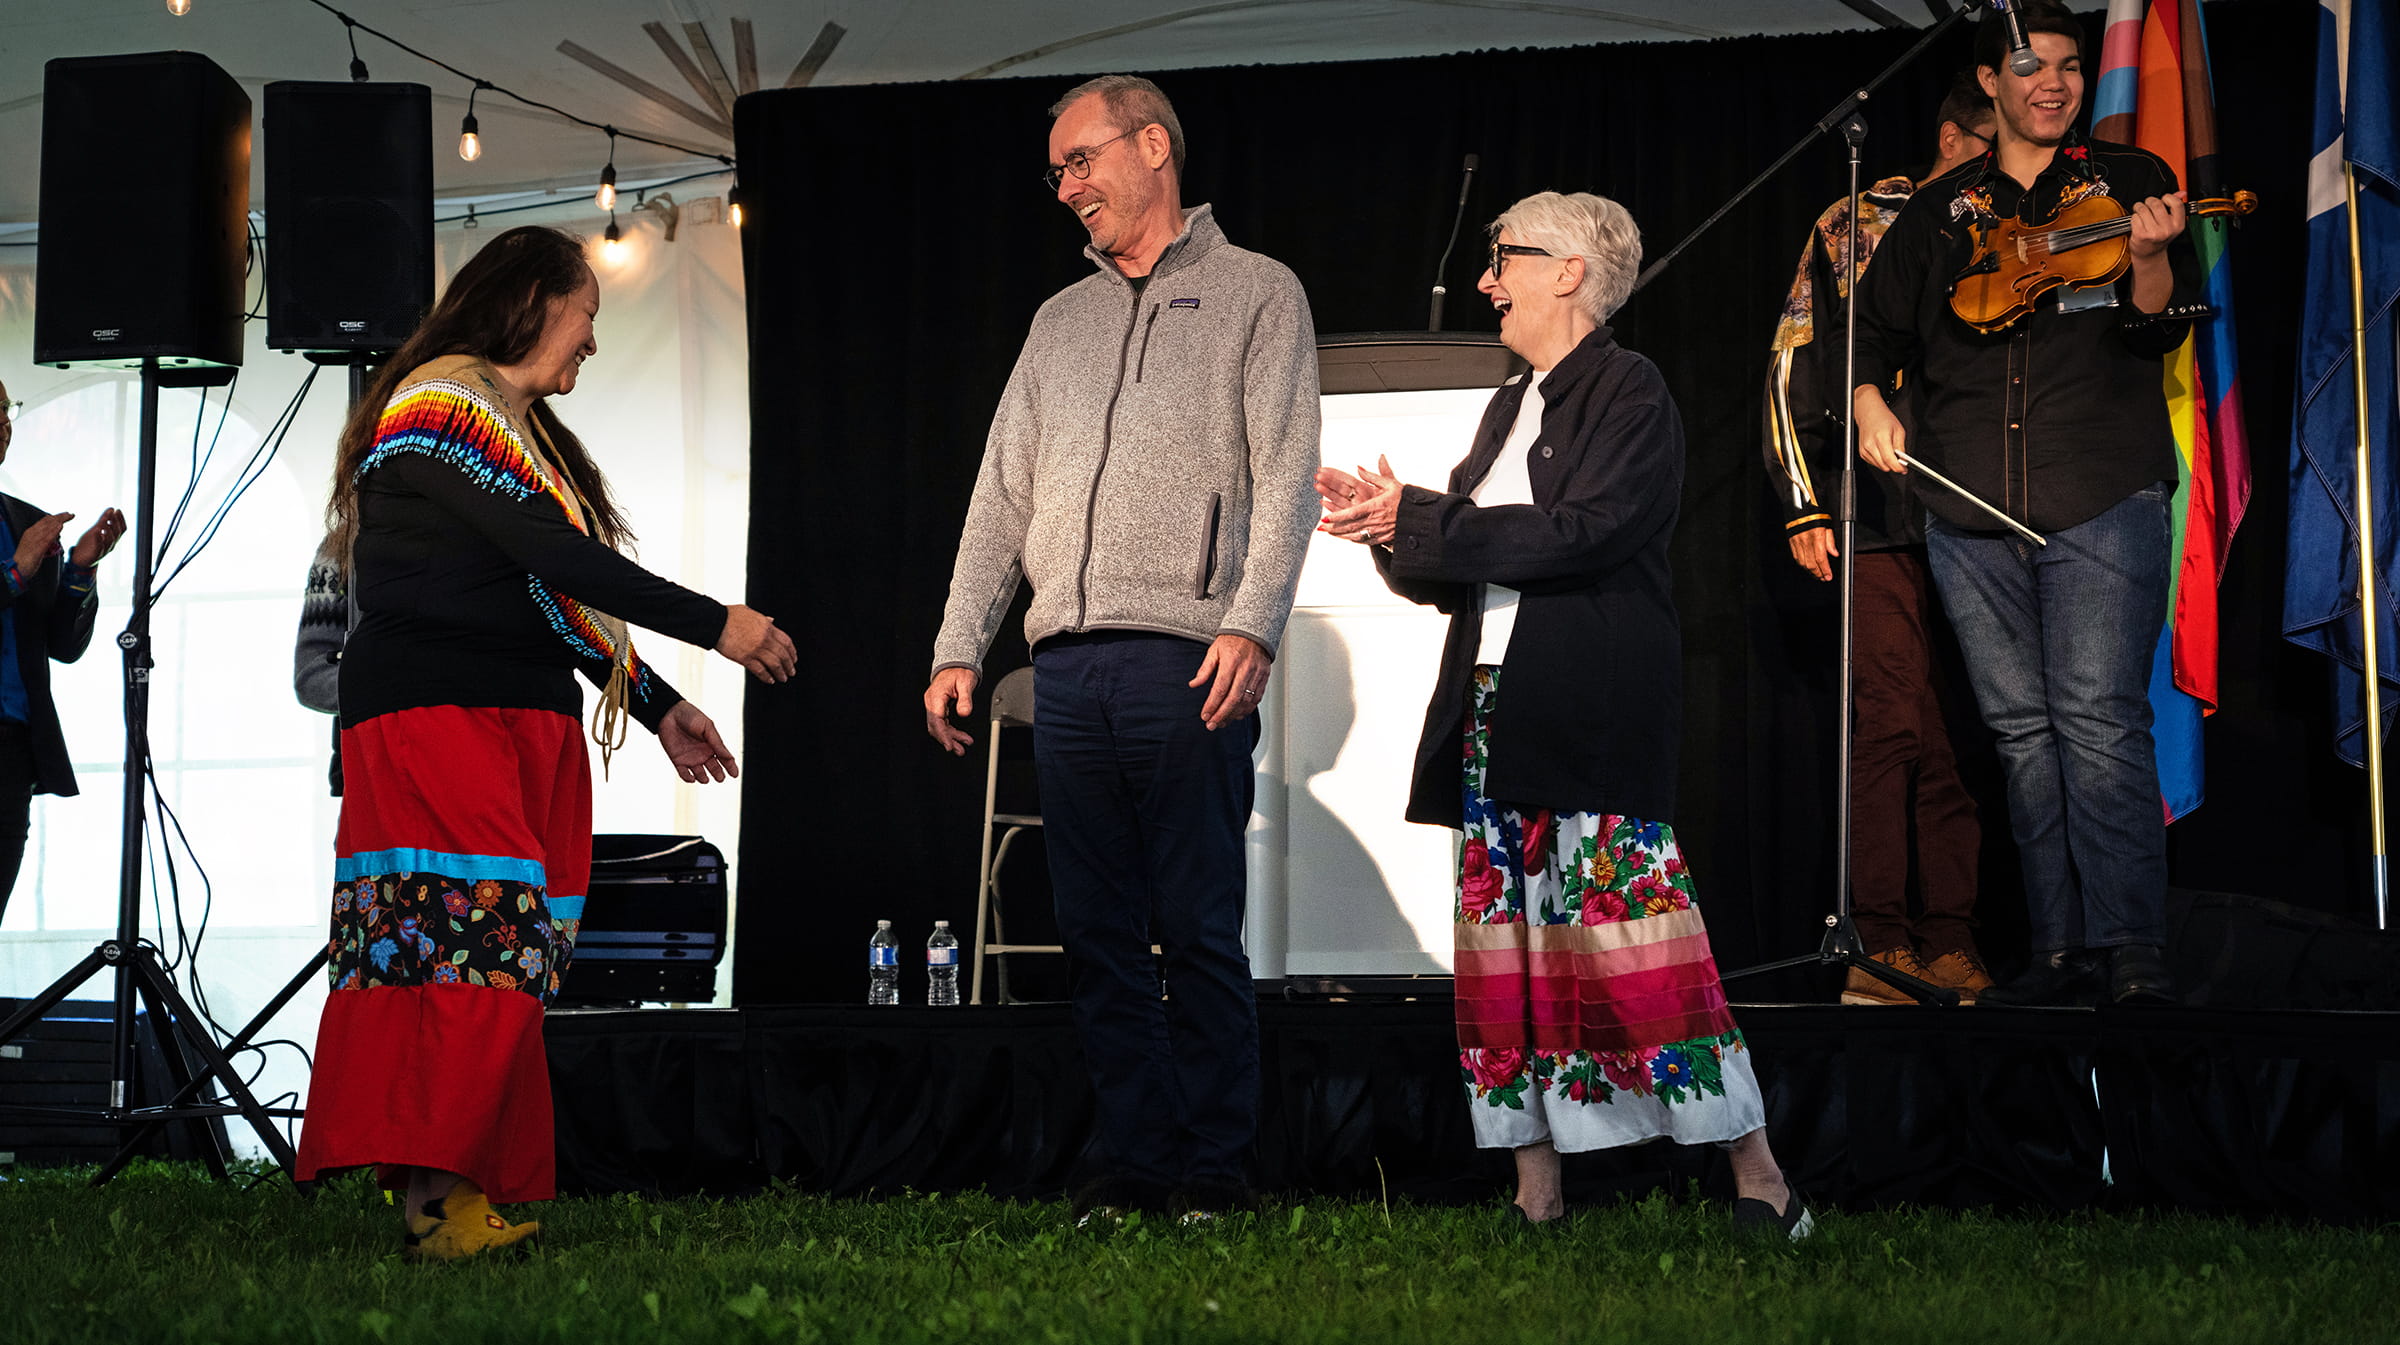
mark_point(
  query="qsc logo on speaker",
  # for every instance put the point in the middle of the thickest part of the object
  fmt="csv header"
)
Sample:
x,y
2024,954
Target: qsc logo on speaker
x,y
108,333
352,324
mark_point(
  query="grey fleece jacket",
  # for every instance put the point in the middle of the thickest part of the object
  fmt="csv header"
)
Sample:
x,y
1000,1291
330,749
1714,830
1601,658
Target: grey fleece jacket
x,y
1152,462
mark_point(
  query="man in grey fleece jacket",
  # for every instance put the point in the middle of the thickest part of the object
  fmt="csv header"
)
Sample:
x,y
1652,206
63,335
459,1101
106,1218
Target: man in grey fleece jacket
x,y
1149,472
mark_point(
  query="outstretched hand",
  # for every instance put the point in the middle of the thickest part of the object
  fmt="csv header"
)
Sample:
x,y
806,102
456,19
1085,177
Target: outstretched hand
x,y
751,639
691,741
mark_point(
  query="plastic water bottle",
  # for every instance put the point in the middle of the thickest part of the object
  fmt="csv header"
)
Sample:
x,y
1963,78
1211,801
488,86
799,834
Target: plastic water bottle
x,y
941,966
883,966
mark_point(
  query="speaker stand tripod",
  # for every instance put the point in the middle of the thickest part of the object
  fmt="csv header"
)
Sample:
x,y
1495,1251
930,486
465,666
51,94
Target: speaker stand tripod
x,y
132,962
362,365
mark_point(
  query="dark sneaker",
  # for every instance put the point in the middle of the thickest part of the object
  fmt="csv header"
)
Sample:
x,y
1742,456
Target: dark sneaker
x,y
1107,1202
1199,1203
1757,1218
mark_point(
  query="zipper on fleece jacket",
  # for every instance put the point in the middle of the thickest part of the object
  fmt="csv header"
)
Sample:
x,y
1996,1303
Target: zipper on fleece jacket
x,y
1108,431
1142,360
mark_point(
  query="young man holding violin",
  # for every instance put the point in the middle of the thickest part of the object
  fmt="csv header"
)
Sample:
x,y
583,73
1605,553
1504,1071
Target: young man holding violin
x,y
2058,420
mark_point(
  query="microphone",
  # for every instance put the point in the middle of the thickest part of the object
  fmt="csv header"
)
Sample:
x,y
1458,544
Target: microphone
x,y
2021,59
1466,179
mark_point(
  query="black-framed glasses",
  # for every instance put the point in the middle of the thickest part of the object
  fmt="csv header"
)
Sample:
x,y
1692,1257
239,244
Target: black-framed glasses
x,y
1079,159
1501,252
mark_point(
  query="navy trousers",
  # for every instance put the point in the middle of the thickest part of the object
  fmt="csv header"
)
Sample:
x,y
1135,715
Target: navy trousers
x,y
1143,814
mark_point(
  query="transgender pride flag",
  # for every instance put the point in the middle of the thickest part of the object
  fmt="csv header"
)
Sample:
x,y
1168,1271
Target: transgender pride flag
x,y
2154,92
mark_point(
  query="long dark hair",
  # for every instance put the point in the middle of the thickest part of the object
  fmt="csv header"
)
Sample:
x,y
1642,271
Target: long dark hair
x,y
495,310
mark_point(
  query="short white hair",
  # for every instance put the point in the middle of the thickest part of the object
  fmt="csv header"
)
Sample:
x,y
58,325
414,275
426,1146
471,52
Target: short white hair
x,y
1582,225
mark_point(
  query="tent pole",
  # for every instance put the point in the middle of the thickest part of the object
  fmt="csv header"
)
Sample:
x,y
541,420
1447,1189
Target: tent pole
x,y
2367,602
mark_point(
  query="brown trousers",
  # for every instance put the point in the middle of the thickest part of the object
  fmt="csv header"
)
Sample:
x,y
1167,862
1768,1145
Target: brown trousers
x,y
1907,800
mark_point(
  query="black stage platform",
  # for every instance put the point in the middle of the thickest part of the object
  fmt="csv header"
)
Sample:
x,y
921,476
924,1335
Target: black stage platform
x,y
2256,1112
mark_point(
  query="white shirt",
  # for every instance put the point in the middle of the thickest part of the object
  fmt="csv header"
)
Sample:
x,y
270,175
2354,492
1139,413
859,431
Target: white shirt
x,y
1508,483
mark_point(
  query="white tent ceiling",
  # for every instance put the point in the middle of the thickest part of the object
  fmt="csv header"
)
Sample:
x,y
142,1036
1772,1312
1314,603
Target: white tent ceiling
x,y
517,44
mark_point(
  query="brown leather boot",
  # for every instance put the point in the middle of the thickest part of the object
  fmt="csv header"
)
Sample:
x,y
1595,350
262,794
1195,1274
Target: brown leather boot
x,y
1960,970
1863,988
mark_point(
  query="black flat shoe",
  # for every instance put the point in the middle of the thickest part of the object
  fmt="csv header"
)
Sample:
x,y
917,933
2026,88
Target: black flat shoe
x,y
2065,976
2137,974
1757,1218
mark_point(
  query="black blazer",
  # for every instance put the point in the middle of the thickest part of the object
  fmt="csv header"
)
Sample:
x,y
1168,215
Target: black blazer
x,y
1589,715
46,629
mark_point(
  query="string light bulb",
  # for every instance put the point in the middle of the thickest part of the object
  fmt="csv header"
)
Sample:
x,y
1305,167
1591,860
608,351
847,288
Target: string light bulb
x,y
733,206
358,68
179,8
470,137
612,244
606,197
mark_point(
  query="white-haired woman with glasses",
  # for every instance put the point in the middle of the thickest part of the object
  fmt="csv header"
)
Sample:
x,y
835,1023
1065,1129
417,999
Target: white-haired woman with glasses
x,y
1589,1011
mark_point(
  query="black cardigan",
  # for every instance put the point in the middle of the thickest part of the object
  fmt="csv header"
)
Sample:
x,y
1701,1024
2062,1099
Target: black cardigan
x,y
1590,706
466,568
47,629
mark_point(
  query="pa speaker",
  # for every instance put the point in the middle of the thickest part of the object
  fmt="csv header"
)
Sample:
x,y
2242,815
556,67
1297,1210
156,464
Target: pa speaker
x,y
349,214
144,212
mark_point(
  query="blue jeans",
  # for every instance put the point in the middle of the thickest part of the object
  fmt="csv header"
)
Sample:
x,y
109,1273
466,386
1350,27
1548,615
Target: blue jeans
x,y
2058,643
1143,811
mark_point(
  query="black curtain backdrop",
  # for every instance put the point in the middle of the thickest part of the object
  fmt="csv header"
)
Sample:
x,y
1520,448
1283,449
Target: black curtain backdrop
x,y
898,243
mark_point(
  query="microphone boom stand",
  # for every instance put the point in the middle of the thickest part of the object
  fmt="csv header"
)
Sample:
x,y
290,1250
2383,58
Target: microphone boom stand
x,y
1841,946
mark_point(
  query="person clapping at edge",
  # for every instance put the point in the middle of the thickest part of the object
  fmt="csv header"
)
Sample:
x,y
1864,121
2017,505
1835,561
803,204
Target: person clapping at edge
x,y
46,612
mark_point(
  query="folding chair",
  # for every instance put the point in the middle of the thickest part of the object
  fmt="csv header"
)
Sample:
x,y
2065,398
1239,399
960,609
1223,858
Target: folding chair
x,y
1012,706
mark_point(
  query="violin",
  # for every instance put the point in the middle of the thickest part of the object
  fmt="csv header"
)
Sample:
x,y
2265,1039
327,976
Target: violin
x,y
2086,244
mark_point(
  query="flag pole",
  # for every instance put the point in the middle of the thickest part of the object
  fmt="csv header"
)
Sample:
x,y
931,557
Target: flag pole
x,y
2367,602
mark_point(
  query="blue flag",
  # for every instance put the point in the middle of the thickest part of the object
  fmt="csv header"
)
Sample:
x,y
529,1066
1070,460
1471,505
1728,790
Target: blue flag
x,y
2358,123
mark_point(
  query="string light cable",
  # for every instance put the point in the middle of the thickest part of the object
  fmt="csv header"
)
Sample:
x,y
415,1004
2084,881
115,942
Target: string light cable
x,y
475,215
511,94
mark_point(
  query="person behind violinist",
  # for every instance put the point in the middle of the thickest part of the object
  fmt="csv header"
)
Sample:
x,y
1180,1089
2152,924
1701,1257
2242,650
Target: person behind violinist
x,y
2058,420
1909,807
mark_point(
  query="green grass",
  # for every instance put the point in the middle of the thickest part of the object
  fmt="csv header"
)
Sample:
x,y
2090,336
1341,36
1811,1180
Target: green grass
x,y
164,1254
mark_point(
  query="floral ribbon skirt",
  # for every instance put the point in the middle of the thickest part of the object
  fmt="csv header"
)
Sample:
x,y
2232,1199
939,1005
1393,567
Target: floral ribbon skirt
x,y
1589,1010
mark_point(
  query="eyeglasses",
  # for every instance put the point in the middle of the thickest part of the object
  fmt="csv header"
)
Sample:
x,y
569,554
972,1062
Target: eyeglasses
x,y
10,410
1079,159
1501,252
